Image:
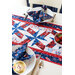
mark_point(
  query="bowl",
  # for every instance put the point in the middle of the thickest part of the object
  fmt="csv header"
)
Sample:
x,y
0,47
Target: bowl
x,y
19,67
58,38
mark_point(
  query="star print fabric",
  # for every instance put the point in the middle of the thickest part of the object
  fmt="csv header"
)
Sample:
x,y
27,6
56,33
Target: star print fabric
x,y
40,15
20,53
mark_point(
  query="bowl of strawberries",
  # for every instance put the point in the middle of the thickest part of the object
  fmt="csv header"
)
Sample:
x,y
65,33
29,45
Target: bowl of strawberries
x,y
58,38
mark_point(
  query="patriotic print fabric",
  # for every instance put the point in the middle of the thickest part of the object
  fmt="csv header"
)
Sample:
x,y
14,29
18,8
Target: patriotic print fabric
x,y
40,38
41,15
20,53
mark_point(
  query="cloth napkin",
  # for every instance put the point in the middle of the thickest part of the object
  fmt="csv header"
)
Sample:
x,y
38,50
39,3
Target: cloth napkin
x,y
21,54
40,15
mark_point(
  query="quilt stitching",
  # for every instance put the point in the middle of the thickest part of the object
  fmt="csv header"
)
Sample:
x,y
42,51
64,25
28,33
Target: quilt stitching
x,y
37,37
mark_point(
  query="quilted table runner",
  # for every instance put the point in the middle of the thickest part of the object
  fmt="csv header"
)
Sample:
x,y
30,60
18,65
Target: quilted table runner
x,y
40,38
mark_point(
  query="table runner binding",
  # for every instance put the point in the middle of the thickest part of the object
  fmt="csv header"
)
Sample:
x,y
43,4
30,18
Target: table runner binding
x,y
43,43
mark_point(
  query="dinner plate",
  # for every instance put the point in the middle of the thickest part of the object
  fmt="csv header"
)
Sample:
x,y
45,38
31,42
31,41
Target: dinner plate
x,y
30,63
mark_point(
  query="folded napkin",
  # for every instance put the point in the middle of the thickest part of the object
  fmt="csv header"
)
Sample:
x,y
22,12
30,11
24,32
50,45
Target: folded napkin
x,y
20,53
40,15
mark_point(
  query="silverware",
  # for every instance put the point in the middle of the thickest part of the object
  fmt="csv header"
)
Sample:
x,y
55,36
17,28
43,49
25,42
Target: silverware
x,y
53,18
38,66
26,15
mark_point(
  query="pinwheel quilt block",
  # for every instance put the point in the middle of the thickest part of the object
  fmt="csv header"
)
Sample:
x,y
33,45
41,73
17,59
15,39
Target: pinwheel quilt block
x,y
40,38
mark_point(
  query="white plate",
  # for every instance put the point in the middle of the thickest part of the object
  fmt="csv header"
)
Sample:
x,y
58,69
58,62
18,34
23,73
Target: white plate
x,y
29,63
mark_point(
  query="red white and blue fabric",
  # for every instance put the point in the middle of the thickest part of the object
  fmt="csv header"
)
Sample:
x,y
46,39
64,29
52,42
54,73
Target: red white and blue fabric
x,y
40,38
39,16
21,54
